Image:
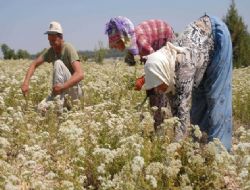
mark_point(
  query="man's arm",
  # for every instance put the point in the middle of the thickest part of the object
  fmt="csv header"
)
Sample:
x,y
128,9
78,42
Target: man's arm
x,y
74,79
25,86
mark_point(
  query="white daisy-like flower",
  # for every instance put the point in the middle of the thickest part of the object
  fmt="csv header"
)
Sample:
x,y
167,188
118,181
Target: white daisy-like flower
x,y
137,164
152,181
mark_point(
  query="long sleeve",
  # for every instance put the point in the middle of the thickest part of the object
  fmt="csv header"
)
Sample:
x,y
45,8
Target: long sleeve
x,y
181,101
151,35
144,45
190,67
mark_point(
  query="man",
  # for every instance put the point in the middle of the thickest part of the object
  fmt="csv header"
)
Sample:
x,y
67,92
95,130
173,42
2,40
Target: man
x,y
67,72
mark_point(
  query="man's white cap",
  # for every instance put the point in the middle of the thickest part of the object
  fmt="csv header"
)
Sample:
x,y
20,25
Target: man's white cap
x,y
54,28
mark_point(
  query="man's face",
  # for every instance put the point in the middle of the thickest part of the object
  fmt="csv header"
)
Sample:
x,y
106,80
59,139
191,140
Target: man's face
x,y
54,40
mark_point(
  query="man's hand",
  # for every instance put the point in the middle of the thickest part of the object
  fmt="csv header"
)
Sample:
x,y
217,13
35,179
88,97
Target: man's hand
x,y
25,89
25,86
58,89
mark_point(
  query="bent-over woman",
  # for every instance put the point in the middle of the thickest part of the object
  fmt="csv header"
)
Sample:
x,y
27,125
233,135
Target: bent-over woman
x,y
196,74
142,40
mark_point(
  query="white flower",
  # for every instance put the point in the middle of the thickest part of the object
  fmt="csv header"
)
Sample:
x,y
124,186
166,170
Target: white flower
x,y
5,127
152,180
3,154
133,143
185,179
18,116
54,141
4,143
155,168
69,172
232,170
70,131
59,152
82,179
172,121
13,179
10,186
173,168
197,131
243,147
219,158
38,185
211,147
2,104
45,135
81,151
67,185
108,154
154,108
244,173
10,109
241,130
101,169
50,175
31,164
21,157
196,159
172,148
246,160
187,188
39,154
137,164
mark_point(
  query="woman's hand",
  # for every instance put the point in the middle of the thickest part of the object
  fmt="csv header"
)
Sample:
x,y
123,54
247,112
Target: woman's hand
x,y
139,83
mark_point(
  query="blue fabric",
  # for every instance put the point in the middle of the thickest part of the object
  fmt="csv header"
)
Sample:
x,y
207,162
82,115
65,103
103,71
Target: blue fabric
x,y
212,100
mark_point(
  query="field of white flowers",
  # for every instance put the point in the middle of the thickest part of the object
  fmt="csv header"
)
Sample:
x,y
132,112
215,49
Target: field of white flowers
x,y
105,143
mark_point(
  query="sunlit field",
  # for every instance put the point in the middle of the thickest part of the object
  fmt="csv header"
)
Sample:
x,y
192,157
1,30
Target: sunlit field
x,y
106,141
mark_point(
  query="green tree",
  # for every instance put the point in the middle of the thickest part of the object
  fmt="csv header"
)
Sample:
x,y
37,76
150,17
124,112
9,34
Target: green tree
x,y
100,53
7,52
240,37
22,54
83,57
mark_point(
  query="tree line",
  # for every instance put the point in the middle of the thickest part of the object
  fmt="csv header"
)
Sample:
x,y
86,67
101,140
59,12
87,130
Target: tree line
x,y
100,53
97,55
238,30
9,53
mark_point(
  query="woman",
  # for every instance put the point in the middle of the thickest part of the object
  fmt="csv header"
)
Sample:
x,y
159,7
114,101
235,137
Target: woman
x,y
142,40
197,68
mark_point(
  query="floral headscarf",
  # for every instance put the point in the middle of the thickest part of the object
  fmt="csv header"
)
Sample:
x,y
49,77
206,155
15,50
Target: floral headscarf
x,y
121,28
